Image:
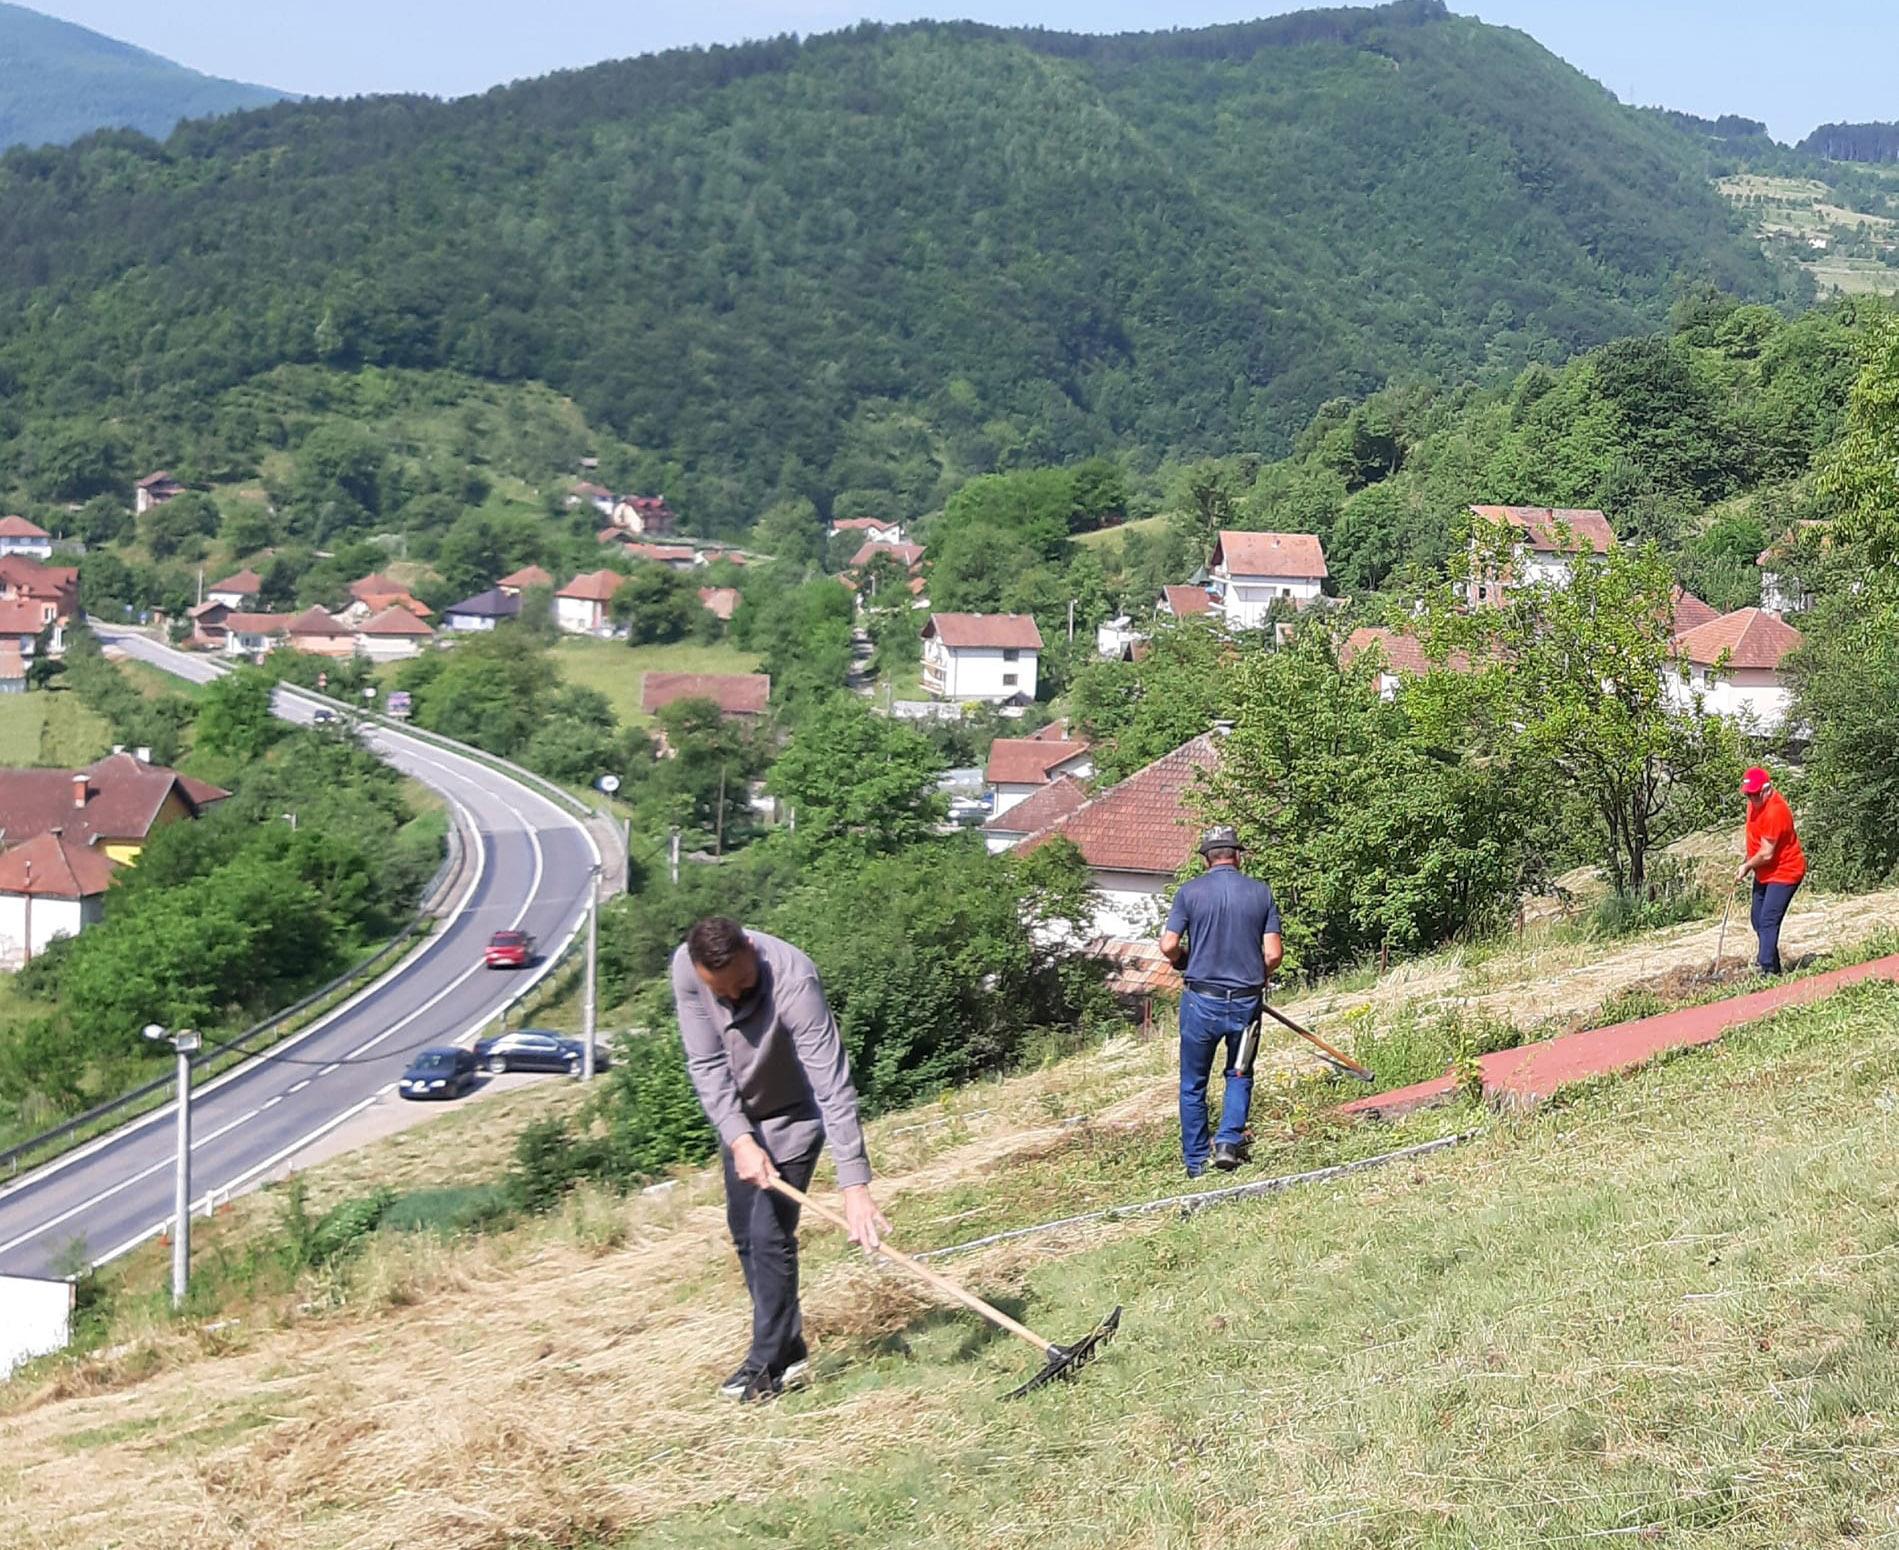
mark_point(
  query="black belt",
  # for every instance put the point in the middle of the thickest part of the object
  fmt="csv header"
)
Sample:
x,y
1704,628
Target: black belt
x,y
1226,994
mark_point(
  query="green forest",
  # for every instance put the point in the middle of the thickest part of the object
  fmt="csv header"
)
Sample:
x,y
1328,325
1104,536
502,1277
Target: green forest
x,y
859,269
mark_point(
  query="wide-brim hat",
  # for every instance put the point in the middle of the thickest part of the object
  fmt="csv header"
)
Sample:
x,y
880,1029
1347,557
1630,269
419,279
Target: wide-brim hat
x,y
1222,836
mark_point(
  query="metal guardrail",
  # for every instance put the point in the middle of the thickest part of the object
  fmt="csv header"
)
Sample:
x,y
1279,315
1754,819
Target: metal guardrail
x,y
445,876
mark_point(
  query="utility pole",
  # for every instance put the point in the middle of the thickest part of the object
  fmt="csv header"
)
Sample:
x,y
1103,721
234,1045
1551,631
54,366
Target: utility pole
x,y
675,866
1071,621
185,1043
593,967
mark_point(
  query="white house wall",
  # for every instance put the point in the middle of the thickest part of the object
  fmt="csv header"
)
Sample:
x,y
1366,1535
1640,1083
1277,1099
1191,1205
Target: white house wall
x,y
35,1319
51,919
1249,598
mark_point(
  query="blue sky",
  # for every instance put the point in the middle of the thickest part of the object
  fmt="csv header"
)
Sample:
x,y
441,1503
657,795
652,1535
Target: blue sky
x,y
1793,65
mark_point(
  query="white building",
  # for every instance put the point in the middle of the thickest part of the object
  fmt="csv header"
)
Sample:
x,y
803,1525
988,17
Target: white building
x,y
1115,638
980,656
1543,544
1254,571
154,490
483,611
19,536
580,607
1021,766
251,634
1782,591
239,591
871,530
1135,837
50,887
1734,666
393,634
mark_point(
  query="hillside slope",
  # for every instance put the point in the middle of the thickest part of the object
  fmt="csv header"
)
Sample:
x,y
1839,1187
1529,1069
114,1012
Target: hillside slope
x,y
860,265
59,81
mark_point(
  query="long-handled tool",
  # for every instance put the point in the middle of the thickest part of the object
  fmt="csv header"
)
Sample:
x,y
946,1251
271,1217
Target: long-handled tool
x,y
1059,1361
1341,1062
1721,941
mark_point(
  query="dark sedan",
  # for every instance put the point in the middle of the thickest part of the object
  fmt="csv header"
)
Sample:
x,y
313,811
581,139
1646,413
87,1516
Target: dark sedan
x,y
439,1073
533,1049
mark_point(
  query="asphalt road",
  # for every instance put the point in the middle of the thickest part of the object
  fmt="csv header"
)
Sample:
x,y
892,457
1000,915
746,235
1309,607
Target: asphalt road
x,y
530,865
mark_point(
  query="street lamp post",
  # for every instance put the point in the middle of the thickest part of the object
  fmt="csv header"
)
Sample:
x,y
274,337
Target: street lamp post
x,y
593,962
185,1043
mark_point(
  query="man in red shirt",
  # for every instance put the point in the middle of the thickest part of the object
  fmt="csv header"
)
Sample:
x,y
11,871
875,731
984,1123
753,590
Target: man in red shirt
x,y
1774,860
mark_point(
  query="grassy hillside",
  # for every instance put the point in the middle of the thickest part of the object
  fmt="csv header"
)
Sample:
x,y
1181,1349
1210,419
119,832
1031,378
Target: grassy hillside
x,y
862,266
1610,1319
58,82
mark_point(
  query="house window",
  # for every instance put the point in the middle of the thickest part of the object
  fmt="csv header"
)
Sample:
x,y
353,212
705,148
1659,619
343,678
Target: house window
x,y
1008,680
1011,654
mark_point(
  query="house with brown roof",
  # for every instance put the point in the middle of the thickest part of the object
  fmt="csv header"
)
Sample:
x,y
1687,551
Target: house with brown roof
x,y
989,657
580,607
739,696
1782,589
247,634
587,493
50,591
1019,767
1689,611
51,886
720,602
318,633
673,556
1185,602
646,515
393,634
20,626
1543,543
28,539
1136,836
114,803
12,668
874,530
154,490
236,591
525,579
1401,655
908,556
1734,666
1034,813
1250,573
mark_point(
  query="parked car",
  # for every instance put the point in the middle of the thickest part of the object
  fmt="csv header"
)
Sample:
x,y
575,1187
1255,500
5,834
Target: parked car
x,y
533,1049
439,1073
322,717
509,950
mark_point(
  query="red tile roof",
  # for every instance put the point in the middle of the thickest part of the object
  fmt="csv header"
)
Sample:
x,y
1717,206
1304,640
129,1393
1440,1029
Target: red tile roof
x,y
664,554
241,623
22,616
1039,809
161,477
122,799
905,555
1752,637
594,586
1006,632
613,535
736,694
1148,822
527,576
593,492
1271,554
1185,602
1029,761
1055,732
29,577
1588,528
863,524
395,620
1135,967
313,621
377,585
19,527
720,602
53,866
1404,652
1690,612
243,581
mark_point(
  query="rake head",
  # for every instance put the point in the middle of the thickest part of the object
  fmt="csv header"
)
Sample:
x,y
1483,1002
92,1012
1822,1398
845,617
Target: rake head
x,y
1064,1361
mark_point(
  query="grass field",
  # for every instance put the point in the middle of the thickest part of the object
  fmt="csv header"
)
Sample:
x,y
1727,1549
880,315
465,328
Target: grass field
x,y
1153,527
617,670
51,728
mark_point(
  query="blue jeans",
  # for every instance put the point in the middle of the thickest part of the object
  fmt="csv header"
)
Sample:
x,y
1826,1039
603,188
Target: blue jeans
x,y
1768,909
1206,1022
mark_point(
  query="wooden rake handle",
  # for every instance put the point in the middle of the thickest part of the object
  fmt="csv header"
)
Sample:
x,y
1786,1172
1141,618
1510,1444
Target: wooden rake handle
x,y
1312,1038
922,1271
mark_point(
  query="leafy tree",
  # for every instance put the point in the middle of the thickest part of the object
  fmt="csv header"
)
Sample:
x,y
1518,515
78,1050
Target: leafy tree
x,y
802,629
234,717
791,532
102,520
1133,712
247,528
655,603
851,775
705,783
1861,475
179,523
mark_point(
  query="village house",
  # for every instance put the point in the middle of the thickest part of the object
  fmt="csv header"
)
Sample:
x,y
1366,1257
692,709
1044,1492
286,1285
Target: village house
x,y
13,666
373,594
672,556
907,556
1135,837
720,602
1253,572
21,537
586,493
246,634
1689,611
114,803
50,887
1021,766
1116,637
647,515
581,607
20,626
236,591
1544,543
46,593
526,579
1782,589
483,611
318,633
739,696
1034,813
1402,656
989,657
393,634
1734,665
875,530
154,490
1187,602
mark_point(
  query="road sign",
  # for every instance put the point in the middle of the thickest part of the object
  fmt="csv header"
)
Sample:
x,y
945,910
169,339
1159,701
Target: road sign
x,y
398,702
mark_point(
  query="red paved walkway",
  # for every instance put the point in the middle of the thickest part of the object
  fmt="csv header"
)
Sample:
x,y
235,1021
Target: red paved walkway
x,y
1525,1076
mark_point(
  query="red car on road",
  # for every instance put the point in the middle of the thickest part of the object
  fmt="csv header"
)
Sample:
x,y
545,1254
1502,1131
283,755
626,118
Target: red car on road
x,y
509,950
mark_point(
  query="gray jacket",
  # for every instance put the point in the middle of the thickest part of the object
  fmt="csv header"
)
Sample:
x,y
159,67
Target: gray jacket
x,y
773,1066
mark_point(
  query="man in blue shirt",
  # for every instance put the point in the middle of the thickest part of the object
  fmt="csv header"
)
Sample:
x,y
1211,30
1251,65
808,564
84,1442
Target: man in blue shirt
x,y
1223,935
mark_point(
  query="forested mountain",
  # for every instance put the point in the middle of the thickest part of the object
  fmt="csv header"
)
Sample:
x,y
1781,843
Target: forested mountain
x,y
863,266
1853,142
58,82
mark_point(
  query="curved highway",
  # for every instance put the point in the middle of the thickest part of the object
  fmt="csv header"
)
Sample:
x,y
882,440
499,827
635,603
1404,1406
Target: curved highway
x,y
528,863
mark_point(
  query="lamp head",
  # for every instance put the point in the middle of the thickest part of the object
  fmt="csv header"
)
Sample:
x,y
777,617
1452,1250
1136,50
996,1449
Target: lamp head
x,y
154,1032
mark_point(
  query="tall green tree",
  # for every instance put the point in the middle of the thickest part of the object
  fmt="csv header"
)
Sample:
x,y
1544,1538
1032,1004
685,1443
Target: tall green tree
x,y
853,776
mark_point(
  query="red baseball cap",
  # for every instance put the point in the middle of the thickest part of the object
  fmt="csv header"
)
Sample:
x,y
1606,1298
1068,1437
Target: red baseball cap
x,y
1755,780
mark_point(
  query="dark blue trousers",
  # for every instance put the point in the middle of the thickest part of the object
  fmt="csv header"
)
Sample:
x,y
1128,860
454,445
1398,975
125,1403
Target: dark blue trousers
x,y
1768,909
1208,1023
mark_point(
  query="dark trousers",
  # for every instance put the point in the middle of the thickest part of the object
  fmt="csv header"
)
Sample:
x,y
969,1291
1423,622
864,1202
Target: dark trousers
x,y
1209,1023
1768,909
764,1227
